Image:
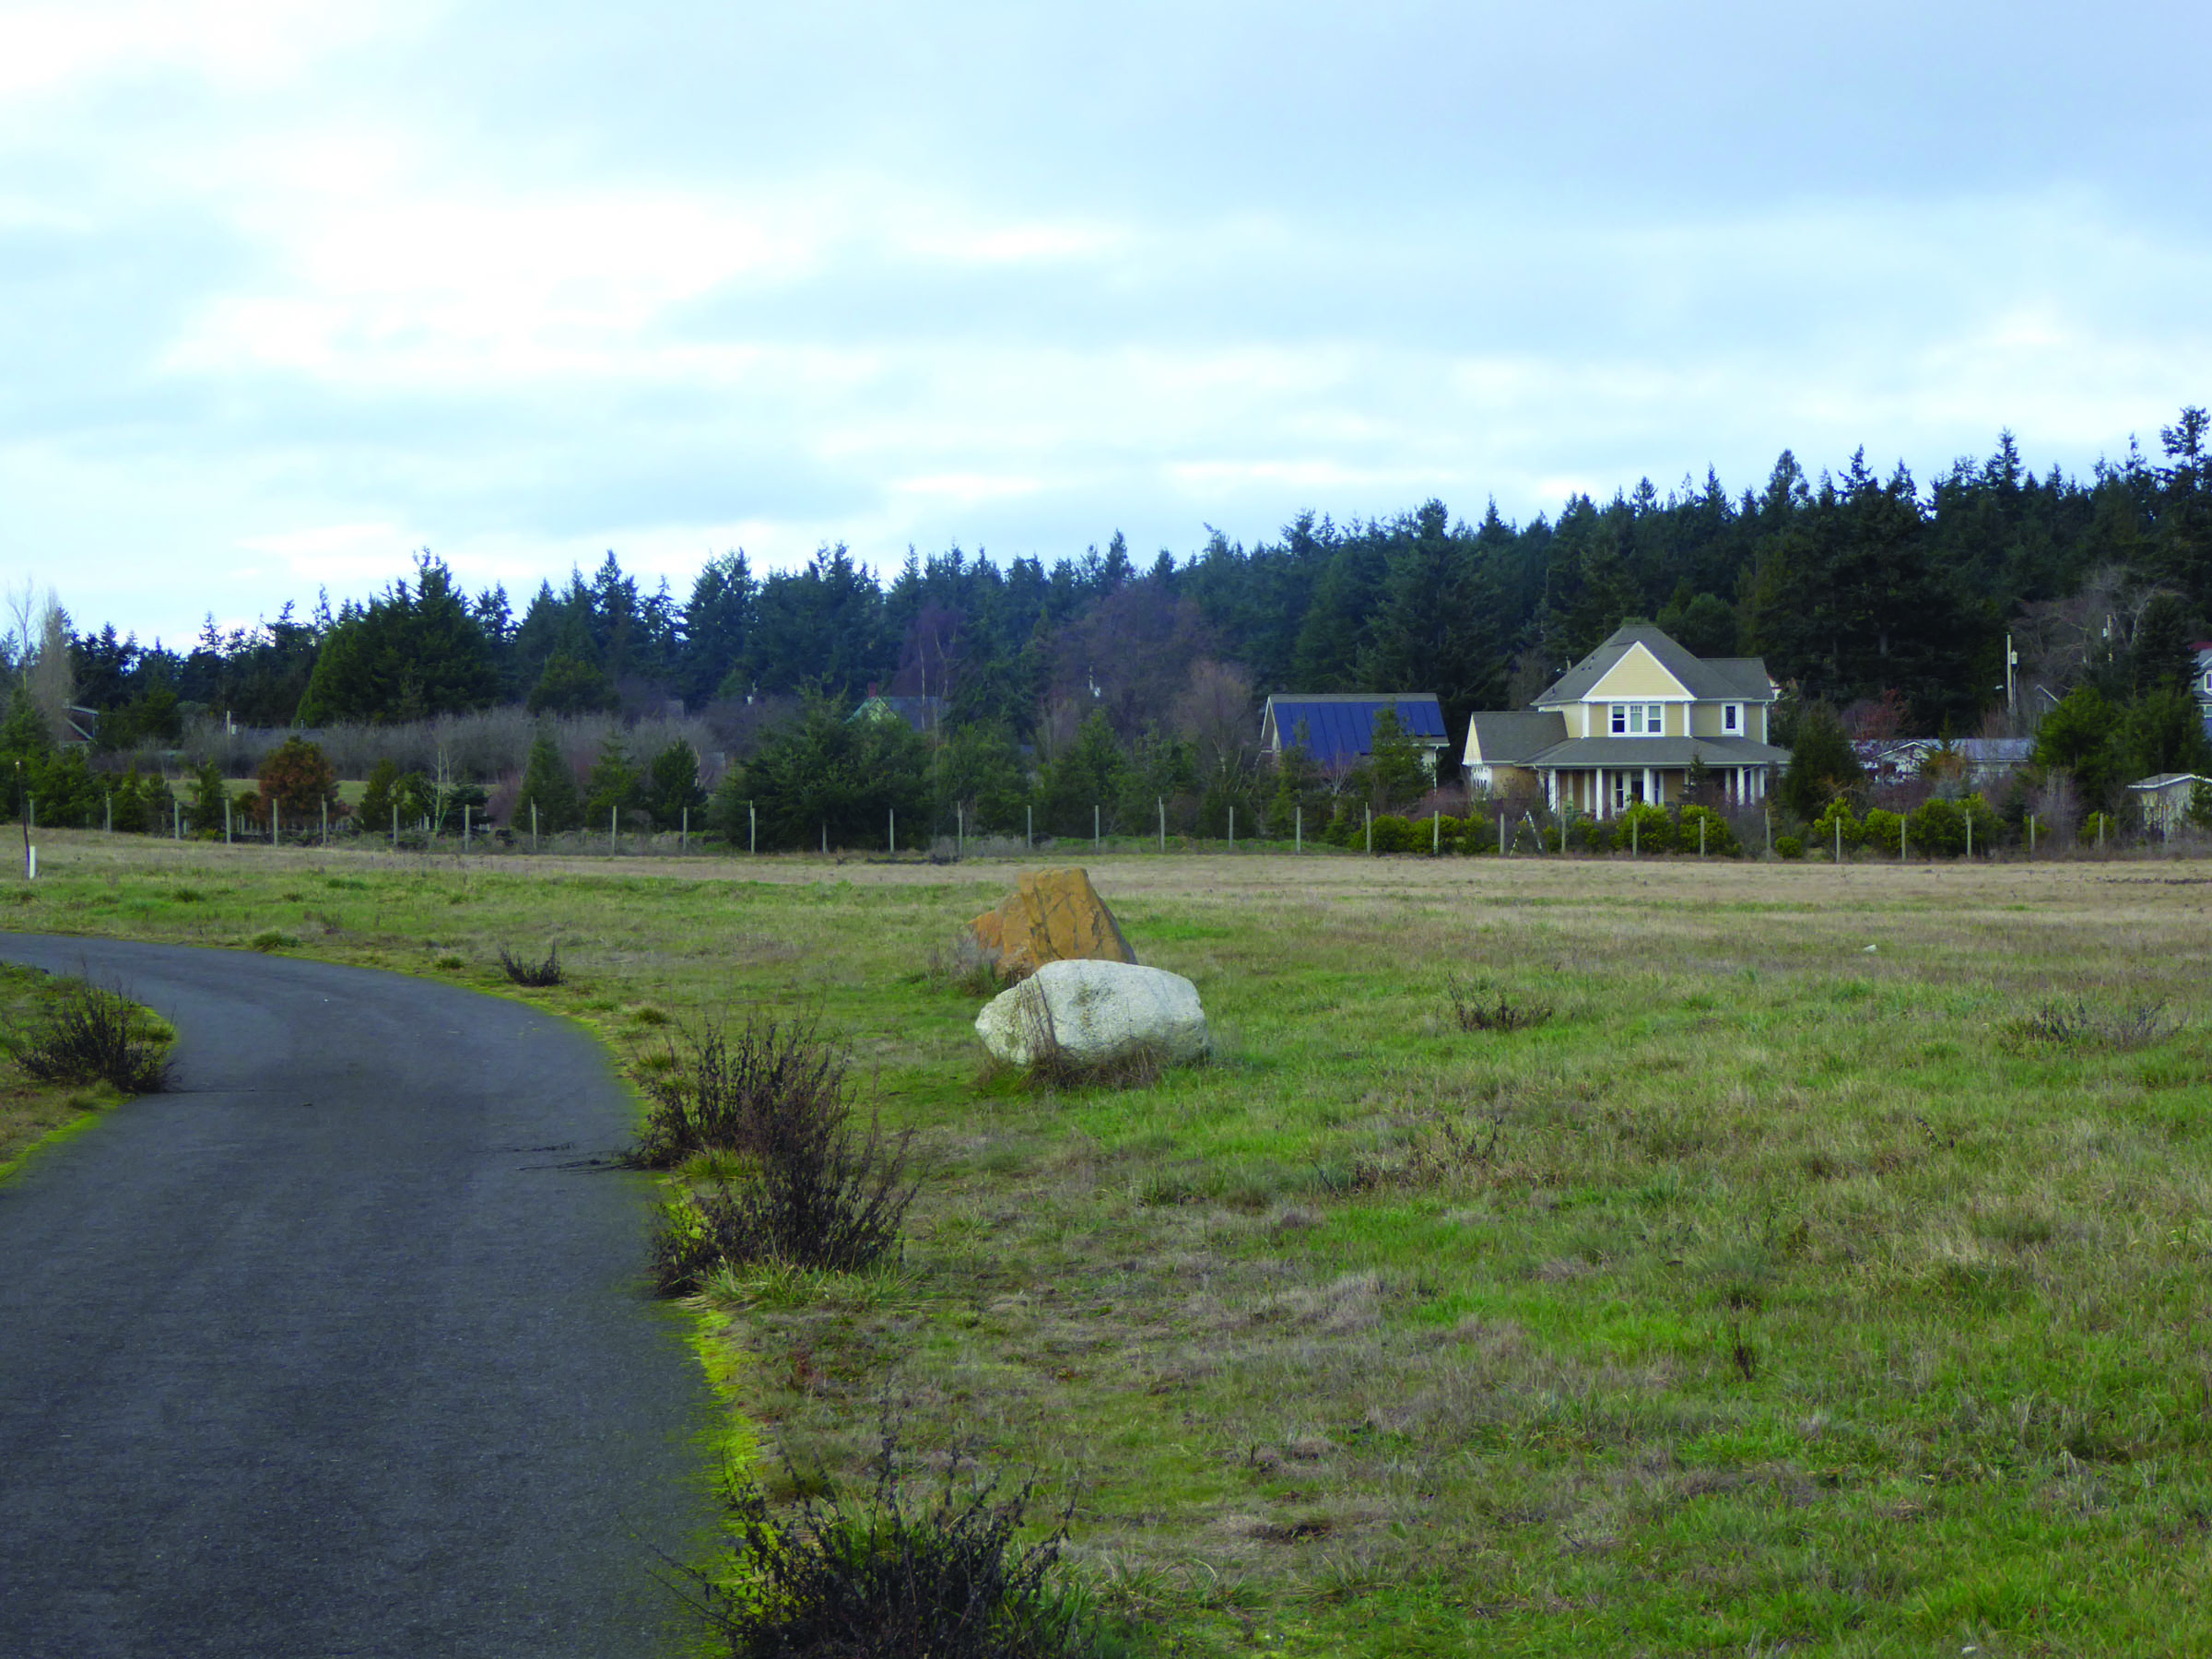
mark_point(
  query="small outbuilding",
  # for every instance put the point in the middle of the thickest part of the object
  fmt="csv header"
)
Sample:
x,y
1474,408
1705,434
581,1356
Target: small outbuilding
x,y
2164,799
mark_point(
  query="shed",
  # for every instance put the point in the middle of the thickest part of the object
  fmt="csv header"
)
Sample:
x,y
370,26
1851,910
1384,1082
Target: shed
x,y
2164,799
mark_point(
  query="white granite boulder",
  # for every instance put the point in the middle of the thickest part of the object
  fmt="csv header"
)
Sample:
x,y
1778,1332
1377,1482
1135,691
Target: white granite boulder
x,y
1087,1012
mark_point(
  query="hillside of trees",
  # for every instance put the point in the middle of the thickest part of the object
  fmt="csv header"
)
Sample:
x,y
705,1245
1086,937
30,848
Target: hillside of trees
x,y
1860,589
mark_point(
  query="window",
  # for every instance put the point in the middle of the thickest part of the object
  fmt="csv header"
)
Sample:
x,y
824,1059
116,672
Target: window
x,y
1732,717
1638,720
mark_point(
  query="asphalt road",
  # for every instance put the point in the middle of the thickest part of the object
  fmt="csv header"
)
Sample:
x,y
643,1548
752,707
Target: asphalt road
x,y
326,1352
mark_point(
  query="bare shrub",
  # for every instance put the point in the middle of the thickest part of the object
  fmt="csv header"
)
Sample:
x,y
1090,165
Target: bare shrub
x,y
538,975
89,1033
941,1575
1480,1006
711,1091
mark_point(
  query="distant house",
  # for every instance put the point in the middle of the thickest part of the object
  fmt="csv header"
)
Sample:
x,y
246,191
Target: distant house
x,y
1990,760
1980,763
923,713
2202,683
1337,728
2164,800
1627,724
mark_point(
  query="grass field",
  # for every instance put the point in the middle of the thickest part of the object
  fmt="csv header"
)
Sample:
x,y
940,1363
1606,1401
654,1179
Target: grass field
x,y
1828,1274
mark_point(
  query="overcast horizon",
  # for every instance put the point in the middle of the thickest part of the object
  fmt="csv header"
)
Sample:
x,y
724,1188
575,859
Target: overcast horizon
x,y
286,295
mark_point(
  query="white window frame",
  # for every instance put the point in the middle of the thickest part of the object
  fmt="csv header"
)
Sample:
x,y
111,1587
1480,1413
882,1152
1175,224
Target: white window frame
x,y
1732,719
1637,719
1619,722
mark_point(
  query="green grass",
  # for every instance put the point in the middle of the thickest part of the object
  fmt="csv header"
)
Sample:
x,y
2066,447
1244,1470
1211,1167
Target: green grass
x,y
1781,1296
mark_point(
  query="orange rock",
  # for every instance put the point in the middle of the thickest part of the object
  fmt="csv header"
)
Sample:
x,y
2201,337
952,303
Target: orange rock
x,y
1052,916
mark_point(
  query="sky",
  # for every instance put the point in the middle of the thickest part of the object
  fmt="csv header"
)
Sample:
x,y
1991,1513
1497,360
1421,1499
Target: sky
x,y
289,290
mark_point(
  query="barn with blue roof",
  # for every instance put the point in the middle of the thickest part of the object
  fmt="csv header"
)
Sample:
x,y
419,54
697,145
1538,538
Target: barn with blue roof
x,y
1337,728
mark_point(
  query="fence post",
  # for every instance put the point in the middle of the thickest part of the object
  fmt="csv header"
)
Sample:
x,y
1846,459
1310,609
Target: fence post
x,y
2031,835
176,819
466,809
394,825
276,826
2101,832
1501,846
1838,842
1969,838
614,815
825,837
894,831
1700,838
533,826
683,834
327,820
959,832
1094,825
1232,829
1028,828
1370,829
1298,821
1635,830
752,829
1900,838
226,815
110,797
1161,801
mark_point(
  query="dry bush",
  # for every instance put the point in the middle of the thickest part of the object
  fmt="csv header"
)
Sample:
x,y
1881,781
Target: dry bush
x,y
93,1033
1478,1006
538,975
894,1574
711,1091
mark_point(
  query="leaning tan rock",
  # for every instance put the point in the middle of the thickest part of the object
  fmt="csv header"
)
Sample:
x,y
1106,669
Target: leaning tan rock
x,y
1050,916
1085,1014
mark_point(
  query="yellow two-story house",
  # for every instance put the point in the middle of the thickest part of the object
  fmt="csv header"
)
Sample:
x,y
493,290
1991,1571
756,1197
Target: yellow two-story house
x,y
1627,723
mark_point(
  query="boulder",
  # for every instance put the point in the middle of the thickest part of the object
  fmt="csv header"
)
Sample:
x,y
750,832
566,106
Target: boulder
x,y
1085,1014
1052,916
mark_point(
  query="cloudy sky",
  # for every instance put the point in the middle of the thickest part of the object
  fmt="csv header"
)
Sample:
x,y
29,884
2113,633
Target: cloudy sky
x,y
287,291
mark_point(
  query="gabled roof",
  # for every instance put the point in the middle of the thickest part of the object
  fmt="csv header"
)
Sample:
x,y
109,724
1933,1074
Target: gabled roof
x,y
923,713
1513,738
1340,725
1735,680
2167,781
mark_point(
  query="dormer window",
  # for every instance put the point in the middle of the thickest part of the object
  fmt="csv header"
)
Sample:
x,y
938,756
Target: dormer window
x,y
1732,717
1638,720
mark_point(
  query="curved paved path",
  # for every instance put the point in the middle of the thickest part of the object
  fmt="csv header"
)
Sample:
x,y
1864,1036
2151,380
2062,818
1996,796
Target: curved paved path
x,y
326,1353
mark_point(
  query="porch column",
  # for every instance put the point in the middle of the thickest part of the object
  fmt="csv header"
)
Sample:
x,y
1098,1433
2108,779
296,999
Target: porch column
x,y
1647,787
1602,803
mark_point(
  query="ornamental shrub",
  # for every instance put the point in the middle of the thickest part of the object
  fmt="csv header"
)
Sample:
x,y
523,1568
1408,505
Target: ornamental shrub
x,y
1880,831
1720,835
1395,834
1823,833
1645,828
1788,846
1938,829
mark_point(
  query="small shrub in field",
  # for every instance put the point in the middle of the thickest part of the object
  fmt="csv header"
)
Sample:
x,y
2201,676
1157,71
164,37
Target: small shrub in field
x,y
1718,836
719,1093
1788,846
523,972
1938,829
2077,1025
1835,825
1478,1006
2097,827
820,1193
898,1574
92,1033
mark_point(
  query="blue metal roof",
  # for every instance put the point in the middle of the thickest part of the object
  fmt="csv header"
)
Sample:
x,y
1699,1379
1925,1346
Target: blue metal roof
x,y
1341,729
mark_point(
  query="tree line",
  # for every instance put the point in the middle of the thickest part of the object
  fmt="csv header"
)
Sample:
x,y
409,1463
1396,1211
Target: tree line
x,y
1862,591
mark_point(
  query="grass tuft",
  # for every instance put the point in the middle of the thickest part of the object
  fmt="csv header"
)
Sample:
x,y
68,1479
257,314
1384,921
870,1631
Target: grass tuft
x,y
2078,1025
1477,1006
